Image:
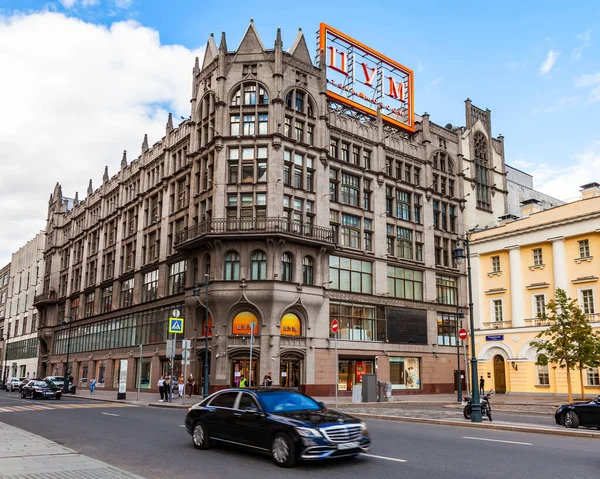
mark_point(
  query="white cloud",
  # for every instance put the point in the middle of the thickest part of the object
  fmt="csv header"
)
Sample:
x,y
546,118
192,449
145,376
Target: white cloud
x,y
560,104
123,3
591,81
563,182
72,103
585,40
549,62
68,3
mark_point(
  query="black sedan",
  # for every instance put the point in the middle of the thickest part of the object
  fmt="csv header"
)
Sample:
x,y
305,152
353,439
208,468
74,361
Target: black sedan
x,y
579,414
283,423
41,389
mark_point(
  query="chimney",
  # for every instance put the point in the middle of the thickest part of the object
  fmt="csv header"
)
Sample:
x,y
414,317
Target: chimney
x,y
529,207
591,190
502,220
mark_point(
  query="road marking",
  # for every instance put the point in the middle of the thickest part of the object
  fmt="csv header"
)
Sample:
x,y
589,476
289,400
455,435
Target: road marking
x,y
110,414
4,410
182,425
383,457
498,440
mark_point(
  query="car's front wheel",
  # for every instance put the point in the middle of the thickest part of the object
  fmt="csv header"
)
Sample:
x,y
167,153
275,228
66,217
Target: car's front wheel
x,y
200,437
23,394
57,396
571,420
282,450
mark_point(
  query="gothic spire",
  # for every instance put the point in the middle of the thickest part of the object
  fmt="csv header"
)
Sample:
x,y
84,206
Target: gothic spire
x,y
90,190
124,158
145,143
76,199
210,52
170,123
223,44
105,176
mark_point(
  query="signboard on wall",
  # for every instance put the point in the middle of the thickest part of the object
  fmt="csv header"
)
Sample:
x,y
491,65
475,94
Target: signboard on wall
x,y
495,337
406,326
366,80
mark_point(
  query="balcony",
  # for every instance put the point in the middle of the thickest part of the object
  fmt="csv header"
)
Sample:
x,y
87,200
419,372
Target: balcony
x,y
537,322
593,318
497,325
253,227
47,297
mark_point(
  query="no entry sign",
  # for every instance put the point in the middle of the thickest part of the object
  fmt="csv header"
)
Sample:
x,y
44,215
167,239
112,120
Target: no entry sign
x,y
462,334
334,326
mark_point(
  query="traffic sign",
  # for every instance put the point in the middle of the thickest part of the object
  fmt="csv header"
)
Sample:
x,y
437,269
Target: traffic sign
x,y
185,353
186,344
462,334
176,313
176,325
334,326
185,362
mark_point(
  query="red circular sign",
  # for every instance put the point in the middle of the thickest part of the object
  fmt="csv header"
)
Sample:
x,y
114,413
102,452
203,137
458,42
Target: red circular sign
x,y
334,326
462,334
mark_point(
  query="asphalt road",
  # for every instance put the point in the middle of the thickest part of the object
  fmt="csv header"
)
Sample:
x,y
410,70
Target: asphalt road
x,y
151,442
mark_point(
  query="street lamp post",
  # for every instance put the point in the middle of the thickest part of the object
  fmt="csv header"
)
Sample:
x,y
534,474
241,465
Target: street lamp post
x,y
66,375
459,254
5,352
196,293
459,397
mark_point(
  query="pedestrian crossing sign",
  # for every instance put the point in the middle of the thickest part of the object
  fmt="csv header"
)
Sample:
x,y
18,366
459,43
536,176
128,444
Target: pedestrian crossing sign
x,y
176,325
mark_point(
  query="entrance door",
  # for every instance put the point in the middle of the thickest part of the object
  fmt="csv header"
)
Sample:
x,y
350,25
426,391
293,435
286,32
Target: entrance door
x,y
499,375
241,367
289,376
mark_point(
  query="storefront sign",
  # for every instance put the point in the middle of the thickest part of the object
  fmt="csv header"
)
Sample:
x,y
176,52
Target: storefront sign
x,y
495,337
363,78
290,325
122,378
241,324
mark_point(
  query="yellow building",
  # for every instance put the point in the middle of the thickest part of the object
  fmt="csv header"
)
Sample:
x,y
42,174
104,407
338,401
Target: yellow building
x,y
516,267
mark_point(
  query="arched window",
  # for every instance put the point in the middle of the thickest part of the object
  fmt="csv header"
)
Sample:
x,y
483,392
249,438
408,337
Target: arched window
x,y
251,121
258,265
232,266
307,270
205,267
206,118
290,325
286,267
481,171
543,378
300,118
240,325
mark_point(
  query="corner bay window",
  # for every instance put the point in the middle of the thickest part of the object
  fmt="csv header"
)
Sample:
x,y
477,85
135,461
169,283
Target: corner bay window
x,y
357,322
350,274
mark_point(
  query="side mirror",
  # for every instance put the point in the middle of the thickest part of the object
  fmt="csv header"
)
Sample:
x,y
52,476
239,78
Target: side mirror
x,y
322,405
252,410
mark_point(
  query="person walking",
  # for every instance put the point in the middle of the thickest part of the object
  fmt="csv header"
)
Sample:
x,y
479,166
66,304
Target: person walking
x,y
268,379
92,385
243,382
190,385
161,388
481,385
180,384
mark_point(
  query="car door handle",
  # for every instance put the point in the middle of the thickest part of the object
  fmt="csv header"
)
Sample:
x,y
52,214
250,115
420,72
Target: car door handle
x,y
237,414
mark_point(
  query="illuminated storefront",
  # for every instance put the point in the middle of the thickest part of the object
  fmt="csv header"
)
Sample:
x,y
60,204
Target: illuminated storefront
x,y
351,372
405,373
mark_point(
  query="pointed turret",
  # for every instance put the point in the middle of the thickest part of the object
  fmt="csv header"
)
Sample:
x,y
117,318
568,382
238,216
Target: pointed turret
x,y
170,123
251,43
278,53
222,56
223,44
124,158
90,190
196,69
299,50
76,199
105,176
145,143
210,52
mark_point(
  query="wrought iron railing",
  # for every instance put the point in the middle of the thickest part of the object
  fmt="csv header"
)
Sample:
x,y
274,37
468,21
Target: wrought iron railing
x,y
253,225
46,296
497,325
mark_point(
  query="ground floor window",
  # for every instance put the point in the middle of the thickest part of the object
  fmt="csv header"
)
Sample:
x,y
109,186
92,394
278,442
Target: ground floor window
x,y
350,372
240,367
22,371
593,378
100,373
289,376
84,373
405,373
144,375
542,371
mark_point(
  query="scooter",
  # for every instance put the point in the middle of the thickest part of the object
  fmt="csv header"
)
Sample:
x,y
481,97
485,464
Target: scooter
x,y
486,407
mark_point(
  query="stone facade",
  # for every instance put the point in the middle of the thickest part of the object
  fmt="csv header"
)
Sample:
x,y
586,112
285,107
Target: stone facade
x,y
4,280
297,211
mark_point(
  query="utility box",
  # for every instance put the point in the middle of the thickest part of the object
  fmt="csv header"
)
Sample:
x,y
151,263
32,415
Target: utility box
x,y
357,393
369,388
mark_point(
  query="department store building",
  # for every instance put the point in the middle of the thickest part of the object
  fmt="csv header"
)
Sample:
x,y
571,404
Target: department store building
x,y
302,200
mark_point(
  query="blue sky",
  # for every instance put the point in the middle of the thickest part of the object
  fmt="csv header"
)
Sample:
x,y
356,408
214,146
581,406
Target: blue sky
x,y
535,65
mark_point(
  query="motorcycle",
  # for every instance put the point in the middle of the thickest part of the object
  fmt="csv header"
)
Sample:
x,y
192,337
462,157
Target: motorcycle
x,y
486,407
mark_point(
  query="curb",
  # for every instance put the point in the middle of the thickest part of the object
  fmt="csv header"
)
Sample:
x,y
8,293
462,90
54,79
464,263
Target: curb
x,y
167,406
118,401
498,427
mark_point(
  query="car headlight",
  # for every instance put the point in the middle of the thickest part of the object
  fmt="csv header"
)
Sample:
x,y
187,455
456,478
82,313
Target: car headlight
x,y
308,432
364,429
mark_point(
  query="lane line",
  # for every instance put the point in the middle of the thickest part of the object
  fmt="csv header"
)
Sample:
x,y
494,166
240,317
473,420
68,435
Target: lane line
x,y
182,425
383,457
110,414
498,440
4,410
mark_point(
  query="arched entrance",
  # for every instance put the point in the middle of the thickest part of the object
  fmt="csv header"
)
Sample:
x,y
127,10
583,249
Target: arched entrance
x,y
290,370
499,374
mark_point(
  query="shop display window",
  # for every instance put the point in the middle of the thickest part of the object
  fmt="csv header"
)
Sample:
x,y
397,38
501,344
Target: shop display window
x,y
405,373
351,372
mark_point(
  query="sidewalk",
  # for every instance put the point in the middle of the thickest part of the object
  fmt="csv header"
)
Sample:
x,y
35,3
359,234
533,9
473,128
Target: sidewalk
x,y
146,398
25,455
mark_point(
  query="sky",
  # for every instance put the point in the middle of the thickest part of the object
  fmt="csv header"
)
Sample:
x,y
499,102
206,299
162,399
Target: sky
x,y
83,80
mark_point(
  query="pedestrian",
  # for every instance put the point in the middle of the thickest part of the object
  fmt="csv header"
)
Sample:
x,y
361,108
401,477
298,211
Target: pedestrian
x,y
268,379
190,385
180,384
169,383
161,388
92,385
243,382
481,385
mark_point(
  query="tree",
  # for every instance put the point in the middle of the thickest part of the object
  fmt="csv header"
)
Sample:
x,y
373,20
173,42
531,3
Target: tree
x,y
569,340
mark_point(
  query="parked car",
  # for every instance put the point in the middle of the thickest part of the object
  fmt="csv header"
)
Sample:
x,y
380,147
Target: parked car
x,y
583,413
41,389
59,381
22,383
283,423
13,384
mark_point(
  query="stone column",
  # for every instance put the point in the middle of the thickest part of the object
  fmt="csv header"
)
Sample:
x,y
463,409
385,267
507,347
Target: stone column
x,y
559,263
516,287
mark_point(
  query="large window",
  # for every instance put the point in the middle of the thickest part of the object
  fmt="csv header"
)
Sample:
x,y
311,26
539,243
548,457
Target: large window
x,y
286,267
150,286
584,248
247,95
127,293
539,301
232,266
405,243
350,230
405,283
307,270
543,378
446,289
587,299
405,373
593,377
357,322
177,277
258,265
447,329
482,172
89,304
247,165
350,274
497,312
495,264
537,257
106,301
350,190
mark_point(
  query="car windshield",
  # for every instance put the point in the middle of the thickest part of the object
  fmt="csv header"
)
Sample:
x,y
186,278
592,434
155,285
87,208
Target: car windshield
x,y
56,378
42,384
287,401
